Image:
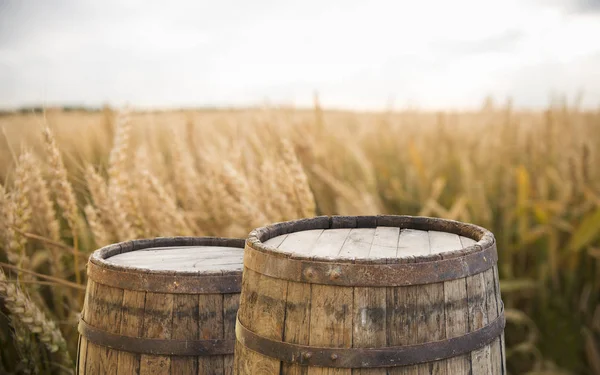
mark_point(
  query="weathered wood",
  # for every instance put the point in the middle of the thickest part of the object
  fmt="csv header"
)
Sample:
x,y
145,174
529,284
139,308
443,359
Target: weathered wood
x,y
210,308
298,302
132,323
158,323
110,321
230,308
147,314
331,322
476,294
320,306
186,320
455,300
193,258
369,304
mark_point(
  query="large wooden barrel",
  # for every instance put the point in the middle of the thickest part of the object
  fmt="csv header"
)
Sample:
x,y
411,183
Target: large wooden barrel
x,y
370,295
161,306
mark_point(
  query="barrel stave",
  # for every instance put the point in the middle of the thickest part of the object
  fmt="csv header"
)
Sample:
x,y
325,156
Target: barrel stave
x,y
211,316
132,324
186,314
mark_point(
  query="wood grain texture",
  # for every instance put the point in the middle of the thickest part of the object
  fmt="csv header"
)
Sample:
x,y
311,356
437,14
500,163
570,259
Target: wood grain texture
x,y
109,319
478,318
158,323
210,309
456,306
186,322
298,301
230,308
190,258
262,311
164,315
93,351
331,322
132,322
322,315
370,304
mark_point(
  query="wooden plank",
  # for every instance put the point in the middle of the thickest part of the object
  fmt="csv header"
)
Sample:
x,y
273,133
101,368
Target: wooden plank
x,y
385,243
330,243
82,350
431,319
442,242
210,309
300,243
109,302
476,295
432,324
230,308
455,300
275,241
369,323
413,242
402,322
244,358
358,244
466,241
92,364
262,310
298,301
132,322
492,311
158,313
331,322
185,327
205,258
269,318
499,300
297,322
369,304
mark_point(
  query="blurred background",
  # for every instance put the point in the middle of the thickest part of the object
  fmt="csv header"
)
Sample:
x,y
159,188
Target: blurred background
x,y
129,119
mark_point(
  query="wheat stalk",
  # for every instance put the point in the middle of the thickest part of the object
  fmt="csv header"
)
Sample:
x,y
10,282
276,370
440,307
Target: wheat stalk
x,y
101,237
65,196
23,310
299,181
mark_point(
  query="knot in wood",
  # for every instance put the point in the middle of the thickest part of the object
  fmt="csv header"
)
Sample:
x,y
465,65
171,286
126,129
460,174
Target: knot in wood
x,y
310,273
335,274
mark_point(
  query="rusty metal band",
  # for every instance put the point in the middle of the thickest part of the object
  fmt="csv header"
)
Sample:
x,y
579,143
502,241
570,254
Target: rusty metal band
x,y
155,346
164,283
370,275
370,357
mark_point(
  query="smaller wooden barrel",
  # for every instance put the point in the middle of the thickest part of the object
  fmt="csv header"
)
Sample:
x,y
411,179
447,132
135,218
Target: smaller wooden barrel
x,y
373,295
161,306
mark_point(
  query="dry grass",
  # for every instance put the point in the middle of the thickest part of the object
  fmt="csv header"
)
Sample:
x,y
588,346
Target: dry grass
x,y
83,180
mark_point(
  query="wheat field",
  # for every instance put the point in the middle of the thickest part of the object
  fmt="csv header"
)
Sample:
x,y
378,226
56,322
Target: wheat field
x,y
72,181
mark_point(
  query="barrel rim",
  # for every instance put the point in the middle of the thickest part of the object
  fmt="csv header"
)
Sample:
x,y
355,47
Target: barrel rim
x,y
99,256
485,239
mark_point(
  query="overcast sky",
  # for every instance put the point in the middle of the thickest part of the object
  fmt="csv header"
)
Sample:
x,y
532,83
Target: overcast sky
x,y
356,54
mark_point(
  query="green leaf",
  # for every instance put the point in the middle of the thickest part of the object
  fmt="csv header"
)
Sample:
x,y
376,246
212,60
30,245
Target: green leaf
x,y
586,232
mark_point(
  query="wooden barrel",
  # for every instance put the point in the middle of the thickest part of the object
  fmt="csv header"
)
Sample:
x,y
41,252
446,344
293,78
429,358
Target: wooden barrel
x,y
370,295
161,306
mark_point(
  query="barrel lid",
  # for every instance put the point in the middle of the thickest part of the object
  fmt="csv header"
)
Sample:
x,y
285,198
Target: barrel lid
x,y
174,255
371,239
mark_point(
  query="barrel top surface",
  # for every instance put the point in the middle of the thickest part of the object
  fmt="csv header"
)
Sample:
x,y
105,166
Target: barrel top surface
x,y
182,258
173,256
369,243
384,238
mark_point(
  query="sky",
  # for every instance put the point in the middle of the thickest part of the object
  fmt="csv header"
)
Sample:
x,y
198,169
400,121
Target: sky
x,y
364,55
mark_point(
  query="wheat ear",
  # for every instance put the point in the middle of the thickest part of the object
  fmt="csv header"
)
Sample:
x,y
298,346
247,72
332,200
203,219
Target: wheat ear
x,y
65,196
22,309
